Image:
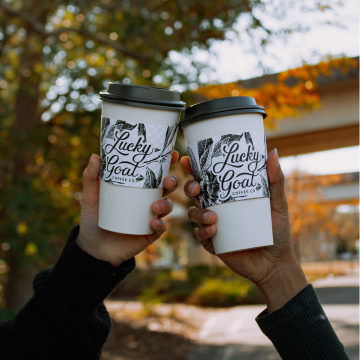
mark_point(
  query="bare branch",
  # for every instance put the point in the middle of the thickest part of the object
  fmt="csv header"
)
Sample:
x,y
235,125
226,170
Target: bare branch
x,y
102,40
37,26
32,21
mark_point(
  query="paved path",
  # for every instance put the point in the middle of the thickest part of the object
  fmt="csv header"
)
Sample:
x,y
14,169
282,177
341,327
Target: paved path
x,y
234,335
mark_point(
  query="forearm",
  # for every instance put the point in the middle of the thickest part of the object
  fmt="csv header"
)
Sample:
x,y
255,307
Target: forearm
x,y
66,317
295,321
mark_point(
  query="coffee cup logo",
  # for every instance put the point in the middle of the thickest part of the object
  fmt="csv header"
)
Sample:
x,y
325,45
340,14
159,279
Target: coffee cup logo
x,y
135,154
230,167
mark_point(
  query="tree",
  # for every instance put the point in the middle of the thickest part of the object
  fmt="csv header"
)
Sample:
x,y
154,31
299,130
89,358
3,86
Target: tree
x,y
312,215
55,56
294,91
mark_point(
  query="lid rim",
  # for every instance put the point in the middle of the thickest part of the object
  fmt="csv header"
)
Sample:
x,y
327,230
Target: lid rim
x,y
178,104
220,107
188,121
201,113
143,94
141,104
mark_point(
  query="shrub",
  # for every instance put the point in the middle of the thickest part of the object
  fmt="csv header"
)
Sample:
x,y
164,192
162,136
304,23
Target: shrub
x,y
224,292
198,285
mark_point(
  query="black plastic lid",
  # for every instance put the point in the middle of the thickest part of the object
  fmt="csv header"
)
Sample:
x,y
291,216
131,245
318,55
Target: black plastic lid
x,y
143,96
221,107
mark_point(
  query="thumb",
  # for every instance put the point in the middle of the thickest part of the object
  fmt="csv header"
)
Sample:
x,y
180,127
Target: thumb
x,y
91,182
277,183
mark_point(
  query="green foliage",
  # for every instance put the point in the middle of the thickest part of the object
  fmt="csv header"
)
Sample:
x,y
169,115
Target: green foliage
x,y
55,57
150,298
223,292
198,285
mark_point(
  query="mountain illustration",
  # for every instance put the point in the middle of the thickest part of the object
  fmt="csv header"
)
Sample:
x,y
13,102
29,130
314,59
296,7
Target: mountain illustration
x,y
194,166
265,188
120,125
142,131
249,140
167,147
150,180
102,162
104,126
225,139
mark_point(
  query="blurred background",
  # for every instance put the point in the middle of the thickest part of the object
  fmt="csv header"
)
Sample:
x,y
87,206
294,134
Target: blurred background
x,y
299,59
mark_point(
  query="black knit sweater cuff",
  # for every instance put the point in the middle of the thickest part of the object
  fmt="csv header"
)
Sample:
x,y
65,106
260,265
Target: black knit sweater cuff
x,y
79,280
301,330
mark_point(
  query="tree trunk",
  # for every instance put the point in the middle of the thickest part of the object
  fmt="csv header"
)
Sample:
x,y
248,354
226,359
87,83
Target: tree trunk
x,y
18,289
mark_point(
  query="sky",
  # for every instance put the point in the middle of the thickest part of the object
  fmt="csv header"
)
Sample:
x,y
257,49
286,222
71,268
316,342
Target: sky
x,y
333,32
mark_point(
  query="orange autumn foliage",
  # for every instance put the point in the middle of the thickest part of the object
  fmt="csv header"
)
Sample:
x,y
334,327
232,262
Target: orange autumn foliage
x,y
281,99
313,215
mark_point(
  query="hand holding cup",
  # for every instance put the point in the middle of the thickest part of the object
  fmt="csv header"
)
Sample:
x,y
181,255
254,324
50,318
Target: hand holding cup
x,y
110,246
274,269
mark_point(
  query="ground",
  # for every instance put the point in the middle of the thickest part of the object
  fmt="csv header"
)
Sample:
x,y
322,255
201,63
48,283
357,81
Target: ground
x,y
181,332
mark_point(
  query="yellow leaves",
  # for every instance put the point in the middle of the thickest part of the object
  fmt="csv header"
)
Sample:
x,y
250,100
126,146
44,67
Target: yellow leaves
x,y
296,226
13,55
31,249
76,141
80,17
21,228
5,134
65,183
309,85
67,23
118,15
281,100
3,267
95,59
38,68
39,159
113,36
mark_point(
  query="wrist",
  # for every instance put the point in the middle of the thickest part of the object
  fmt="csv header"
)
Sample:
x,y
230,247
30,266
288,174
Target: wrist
x,y
94,251
283,284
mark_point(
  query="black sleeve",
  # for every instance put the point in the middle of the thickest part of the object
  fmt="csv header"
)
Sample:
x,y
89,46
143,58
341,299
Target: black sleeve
x,y
301,331
66,317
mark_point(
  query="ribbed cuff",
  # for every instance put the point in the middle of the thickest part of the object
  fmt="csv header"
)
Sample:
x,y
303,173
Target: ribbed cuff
x,y
301,330
78,280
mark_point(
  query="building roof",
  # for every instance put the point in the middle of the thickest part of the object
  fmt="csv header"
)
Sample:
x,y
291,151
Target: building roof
x,y
335,76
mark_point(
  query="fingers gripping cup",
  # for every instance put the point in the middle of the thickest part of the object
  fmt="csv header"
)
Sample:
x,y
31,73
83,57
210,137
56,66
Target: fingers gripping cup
x,y
227,151
138,131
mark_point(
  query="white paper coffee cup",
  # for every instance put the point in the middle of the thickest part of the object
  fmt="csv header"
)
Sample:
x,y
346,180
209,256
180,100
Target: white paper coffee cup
x,y
135,118
224,137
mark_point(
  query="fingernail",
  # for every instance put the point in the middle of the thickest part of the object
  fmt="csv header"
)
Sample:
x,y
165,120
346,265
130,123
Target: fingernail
x,y
158,223
192,187
207,216
91,162
277,157
160,206
170,202
210,229
172,180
